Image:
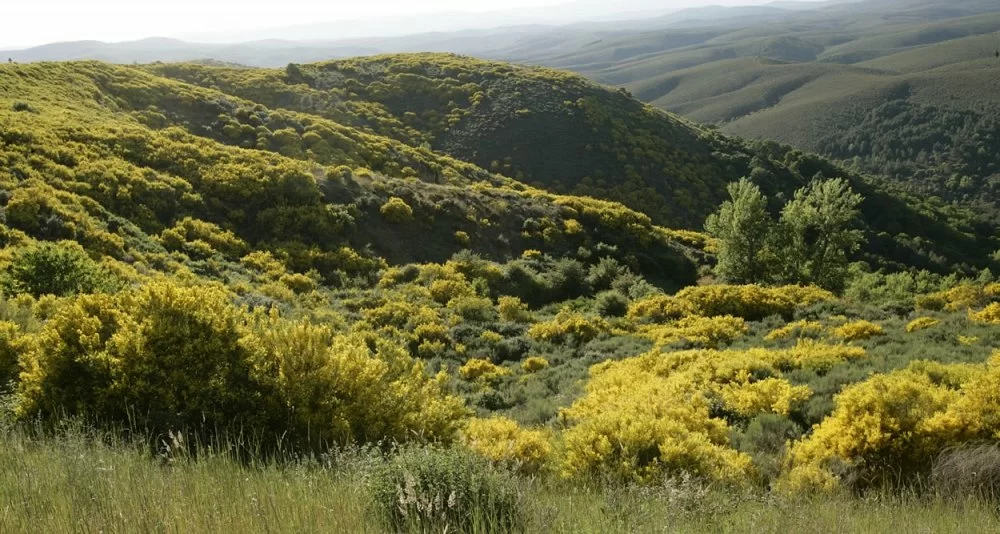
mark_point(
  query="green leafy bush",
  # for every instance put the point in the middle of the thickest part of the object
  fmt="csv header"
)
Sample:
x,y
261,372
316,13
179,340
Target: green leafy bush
x,y
612,304
23,106
54,269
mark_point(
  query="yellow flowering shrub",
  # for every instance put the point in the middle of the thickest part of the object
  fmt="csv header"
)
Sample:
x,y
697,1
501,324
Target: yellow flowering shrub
x,y
706,332
572,227
797,329
339,389
428,349
432,332
396,210
751,301
170,356
950,375
10,336
967,341
490,336
502,440
810,354
877,423
265,263
171,353
513,310
892,426
960,297
988,315
196,233
569,326
771,395
641,433
298,282
921,323
858,330
533,364
992,290
430,272
660,309
975,415
443,291
656,414
483,370
400,314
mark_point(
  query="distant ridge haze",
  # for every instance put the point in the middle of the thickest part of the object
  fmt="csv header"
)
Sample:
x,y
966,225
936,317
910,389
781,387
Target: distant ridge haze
x,y
226,21
492,34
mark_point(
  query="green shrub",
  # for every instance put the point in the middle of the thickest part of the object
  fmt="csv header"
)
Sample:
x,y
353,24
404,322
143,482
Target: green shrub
x,y
23,106
446,490
765,439
60,269
567,279
473,309
601,275
612,304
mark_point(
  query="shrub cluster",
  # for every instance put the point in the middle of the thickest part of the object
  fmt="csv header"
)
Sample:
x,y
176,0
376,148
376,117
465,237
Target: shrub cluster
x,y
888,429
858,330
169,356
752,302
669,413
503,441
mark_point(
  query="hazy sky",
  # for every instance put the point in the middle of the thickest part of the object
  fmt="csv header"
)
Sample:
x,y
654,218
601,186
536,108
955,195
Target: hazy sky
x,y
32,22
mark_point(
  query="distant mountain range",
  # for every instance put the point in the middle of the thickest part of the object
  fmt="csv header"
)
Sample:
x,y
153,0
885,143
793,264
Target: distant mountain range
x,y
490,34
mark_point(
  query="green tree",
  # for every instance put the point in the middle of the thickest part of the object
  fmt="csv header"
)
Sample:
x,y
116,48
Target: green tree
x,y
817,235
743,227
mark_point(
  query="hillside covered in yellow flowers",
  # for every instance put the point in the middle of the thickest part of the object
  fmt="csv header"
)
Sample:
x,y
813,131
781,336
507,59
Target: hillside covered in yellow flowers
x,y
391,253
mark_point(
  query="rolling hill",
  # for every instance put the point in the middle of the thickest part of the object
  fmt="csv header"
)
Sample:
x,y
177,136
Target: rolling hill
x,y
807,78
431,126
562,133
113,157
797,74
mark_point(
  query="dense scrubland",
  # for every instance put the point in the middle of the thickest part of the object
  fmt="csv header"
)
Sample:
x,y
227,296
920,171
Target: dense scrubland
x,y
227,306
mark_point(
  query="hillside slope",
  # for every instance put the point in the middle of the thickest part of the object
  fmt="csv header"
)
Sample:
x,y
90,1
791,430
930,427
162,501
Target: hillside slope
x,y
562,133
120,160
807,79
797,74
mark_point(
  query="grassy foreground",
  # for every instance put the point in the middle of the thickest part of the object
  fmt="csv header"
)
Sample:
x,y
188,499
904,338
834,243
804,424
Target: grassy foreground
x,y
75,483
